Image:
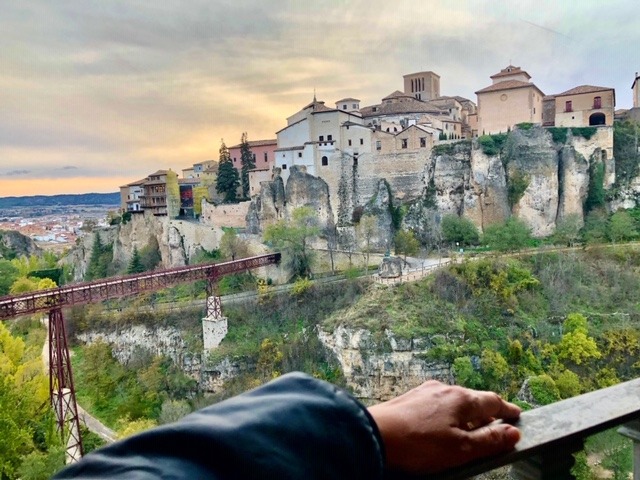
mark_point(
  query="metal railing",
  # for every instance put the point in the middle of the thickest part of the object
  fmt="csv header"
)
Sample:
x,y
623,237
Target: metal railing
x,y
553,433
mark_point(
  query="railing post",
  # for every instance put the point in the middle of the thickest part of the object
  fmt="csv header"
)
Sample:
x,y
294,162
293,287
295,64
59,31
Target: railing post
x,y
551,465
632,431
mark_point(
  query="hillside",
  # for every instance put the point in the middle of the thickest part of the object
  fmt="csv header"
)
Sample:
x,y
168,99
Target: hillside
x,y
65,199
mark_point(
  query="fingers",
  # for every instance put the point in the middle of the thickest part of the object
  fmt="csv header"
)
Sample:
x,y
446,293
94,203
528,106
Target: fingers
x,y
489,440
489,405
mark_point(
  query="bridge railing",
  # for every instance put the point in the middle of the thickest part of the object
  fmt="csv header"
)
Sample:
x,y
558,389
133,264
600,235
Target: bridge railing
x,y
553,433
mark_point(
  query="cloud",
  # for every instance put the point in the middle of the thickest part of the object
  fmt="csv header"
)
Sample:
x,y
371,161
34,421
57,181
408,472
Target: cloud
x,y
69,167
12,173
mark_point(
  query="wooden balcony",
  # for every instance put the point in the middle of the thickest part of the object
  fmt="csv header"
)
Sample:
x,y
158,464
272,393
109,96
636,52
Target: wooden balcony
x,y
551,434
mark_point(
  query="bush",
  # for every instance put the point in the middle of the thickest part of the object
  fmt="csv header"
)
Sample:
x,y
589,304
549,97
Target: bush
x,y
524,126
559,134
512,235
459,229
543,389
584,132
492,144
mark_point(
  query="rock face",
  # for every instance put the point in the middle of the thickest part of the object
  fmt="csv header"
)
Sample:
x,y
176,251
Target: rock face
x,y
379,370
178,241
21,245
391,267
537,180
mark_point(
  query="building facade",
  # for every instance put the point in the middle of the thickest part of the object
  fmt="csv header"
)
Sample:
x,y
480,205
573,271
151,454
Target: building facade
x,y
422,85
585,105
130,195
510,100
263,152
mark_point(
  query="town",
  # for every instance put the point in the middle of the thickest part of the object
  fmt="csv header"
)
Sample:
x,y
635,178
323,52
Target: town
x,y
392,139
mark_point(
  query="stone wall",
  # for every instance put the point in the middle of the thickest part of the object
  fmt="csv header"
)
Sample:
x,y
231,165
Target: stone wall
x,y
224,215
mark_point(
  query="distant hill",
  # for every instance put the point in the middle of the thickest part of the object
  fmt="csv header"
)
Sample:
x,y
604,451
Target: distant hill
x,y
66,199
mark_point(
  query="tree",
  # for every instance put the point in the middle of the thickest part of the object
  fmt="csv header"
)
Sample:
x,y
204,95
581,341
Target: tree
x,y
512,235
150,256
200,193
406,243
233,246
461,230
135,264
366,230
8,275
228,180
575,345
568,229
595,193
248,163
101,256
621,227
294,238
173,195
595,226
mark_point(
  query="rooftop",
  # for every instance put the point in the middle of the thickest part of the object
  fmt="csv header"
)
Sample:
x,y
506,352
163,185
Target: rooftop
x,y
583,89
258,143
509,70
508,85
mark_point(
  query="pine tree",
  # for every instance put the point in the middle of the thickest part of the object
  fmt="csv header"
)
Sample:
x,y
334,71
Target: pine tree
x,y
135,265
228,179
248,163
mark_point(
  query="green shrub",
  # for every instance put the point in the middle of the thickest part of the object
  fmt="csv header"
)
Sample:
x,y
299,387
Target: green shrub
x,y
544,389
517,183
584,132
524,126
559,134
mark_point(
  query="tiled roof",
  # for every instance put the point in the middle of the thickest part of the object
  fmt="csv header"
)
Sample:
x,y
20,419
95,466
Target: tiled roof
x,y
509,70
348,99
397,94
258,143
548,97
421,73
411,105
507,85
318,106
159,173
583,89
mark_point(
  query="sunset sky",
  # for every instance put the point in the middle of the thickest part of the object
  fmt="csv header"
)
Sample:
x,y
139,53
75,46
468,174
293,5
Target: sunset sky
x,y
96,94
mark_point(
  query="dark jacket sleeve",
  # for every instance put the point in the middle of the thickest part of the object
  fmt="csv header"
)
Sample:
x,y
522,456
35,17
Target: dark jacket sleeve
x,y
295,427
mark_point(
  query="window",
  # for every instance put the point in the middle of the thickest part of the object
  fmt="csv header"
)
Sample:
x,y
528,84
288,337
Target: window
x,y
568,106
375,109
362,141
378,145
597,102
235,159
322,138
355,159
284,166
423,142
354,106
254,157
405,143
325,161
329,138
344,107
265,156
349,142
299,154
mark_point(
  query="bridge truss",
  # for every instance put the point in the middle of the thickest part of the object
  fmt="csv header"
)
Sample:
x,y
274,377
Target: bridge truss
x,y
61,388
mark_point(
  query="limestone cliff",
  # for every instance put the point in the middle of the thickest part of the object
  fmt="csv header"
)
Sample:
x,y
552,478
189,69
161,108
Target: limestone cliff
x,y
377,372
178,242
534,176
16,243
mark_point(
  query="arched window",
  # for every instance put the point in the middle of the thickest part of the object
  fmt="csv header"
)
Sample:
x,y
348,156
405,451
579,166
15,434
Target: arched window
x,y
325,161
597,119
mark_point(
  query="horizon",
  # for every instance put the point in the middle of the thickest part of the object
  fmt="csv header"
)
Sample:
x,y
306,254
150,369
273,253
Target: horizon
x,y
98,95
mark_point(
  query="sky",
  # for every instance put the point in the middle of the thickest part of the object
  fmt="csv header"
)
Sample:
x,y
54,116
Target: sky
x,y
97,94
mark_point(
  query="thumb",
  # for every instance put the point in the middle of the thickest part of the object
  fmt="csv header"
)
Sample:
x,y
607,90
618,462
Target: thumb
x,y
492,440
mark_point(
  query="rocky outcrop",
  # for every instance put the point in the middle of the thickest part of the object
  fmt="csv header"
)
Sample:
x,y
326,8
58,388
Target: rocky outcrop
x,y
391,267
178,242
18,244
380,369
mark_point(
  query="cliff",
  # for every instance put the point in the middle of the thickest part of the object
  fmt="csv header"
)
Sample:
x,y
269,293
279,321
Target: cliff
x,y
14,243
539,175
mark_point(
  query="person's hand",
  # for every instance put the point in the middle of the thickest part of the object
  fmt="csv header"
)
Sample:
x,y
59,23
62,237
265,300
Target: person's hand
x,y
436,426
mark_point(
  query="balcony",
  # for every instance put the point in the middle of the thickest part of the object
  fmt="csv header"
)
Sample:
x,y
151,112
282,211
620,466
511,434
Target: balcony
x,y
551,434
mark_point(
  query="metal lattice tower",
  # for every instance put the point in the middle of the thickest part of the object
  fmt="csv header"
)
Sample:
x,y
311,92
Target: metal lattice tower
x,y
61,389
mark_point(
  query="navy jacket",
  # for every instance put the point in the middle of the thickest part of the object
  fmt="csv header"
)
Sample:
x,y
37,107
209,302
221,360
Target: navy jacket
x,y
295,427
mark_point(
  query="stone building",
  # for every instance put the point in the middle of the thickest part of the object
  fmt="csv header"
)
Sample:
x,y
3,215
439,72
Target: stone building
x,y
510,100
422,85
582,106
130,196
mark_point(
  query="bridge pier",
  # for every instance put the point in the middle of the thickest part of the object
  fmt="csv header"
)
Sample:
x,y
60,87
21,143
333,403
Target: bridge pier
x,y
214,325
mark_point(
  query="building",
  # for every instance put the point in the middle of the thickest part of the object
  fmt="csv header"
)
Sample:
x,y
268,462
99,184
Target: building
x,y
186,186
130,195
316,133
422,85
188,173
511,99
154,198
348,104
585,105
201,167
263,152
399,109
633,113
